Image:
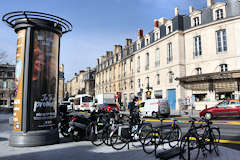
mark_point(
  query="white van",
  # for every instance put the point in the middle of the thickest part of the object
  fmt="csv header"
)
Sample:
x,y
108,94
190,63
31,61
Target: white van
x,y
84,102
154,108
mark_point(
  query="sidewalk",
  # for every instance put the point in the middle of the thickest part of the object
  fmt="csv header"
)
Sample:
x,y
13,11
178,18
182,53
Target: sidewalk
x,y
84,150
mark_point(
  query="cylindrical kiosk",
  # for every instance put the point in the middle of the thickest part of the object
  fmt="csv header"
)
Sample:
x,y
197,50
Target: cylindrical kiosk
x,y
36,77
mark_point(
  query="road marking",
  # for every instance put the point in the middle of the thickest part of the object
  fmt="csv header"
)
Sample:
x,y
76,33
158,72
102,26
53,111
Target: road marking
x,y
186,121
220,141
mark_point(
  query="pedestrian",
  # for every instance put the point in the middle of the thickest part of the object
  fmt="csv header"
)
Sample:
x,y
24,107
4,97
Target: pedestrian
x,y
133,109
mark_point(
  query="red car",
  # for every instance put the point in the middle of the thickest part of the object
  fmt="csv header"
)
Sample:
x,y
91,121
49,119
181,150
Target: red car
x,y
226,108
108,107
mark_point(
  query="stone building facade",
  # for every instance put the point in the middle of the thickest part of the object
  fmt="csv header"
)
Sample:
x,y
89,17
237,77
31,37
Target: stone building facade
x,y
192,57
61,84
82,83
7,85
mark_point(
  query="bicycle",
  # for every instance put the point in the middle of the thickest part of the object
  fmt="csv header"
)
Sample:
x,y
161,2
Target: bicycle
x,y
101,128
161,134
134,131
192,142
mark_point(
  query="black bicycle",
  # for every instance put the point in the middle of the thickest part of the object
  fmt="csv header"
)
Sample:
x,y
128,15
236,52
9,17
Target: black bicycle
x,y
101,128
162,134
134,131
203,137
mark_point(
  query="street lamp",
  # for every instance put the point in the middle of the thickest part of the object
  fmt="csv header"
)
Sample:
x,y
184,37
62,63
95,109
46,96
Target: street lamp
x,y
148,93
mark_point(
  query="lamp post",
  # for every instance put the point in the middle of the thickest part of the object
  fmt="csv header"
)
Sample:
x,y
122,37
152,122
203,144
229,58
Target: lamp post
x,y
36,77
148,93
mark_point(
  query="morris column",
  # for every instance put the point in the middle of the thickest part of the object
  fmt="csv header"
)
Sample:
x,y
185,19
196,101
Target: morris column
x,y
36,77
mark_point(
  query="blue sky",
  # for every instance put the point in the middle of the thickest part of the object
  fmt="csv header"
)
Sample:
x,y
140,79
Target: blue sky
x,y
97,25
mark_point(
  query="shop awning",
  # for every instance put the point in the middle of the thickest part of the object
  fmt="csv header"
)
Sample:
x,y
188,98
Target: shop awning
x,y
210,76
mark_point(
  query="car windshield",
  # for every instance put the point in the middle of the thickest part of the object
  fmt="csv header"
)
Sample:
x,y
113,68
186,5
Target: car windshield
x,y
87,99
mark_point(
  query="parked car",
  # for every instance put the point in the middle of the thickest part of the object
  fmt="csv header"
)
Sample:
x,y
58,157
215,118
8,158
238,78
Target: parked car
x,y
226,108
108,107
154,108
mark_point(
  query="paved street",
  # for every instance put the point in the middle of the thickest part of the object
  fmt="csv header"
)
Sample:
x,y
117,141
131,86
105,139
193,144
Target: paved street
x,y
82,150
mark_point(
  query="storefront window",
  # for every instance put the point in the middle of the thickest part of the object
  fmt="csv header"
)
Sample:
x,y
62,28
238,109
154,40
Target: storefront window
x,y
224,96
199,97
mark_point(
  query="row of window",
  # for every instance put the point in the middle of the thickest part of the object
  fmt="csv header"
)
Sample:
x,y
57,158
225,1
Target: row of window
x,y
218,15
7,74
196,20
221,47
222,68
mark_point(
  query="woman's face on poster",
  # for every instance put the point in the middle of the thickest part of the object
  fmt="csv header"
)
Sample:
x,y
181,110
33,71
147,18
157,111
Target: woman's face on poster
x,y
39,59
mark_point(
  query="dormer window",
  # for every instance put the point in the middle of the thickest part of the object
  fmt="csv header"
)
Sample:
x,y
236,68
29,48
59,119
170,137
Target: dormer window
x,y
131,49
138,46
156,34
219,14
219,10
196,21
169,29
196,18
147,41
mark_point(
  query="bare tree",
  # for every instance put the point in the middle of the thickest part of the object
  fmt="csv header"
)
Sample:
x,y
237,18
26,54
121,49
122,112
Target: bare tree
x,y
3,56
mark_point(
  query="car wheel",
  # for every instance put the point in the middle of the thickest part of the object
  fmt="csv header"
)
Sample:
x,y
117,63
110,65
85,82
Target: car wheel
x,y
208,116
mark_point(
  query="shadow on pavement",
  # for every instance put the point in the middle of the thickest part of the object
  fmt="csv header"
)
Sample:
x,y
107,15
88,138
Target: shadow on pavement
x,y
83,152
66,139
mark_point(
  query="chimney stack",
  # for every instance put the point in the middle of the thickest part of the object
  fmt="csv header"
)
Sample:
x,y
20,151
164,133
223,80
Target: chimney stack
x,y
191,9
156,25
140,33
128,42
176,11
210,3
117,49
109,53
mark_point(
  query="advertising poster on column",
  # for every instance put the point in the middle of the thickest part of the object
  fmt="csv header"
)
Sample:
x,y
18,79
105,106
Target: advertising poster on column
x,y
44,80
17,114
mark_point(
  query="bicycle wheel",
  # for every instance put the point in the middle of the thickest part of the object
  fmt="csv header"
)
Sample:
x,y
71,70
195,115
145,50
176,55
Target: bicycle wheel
x,y
174,137
96,136
149,143
143,131
213,138
189,148
118,140
106,136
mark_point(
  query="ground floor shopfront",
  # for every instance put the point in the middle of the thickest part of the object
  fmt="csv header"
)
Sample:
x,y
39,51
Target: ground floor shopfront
x,y
207,90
